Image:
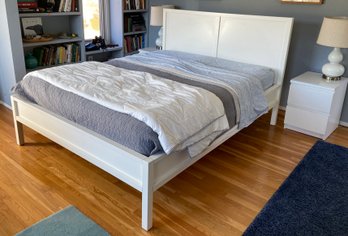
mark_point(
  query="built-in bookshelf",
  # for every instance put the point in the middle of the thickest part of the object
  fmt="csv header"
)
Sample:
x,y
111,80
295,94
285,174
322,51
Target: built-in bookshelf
x,y
133,30
63,40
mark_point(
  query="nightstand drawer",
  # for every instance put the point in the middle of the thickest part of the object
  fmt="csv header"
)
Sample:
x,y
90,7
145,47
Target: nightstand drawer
x,y
306,120
307,97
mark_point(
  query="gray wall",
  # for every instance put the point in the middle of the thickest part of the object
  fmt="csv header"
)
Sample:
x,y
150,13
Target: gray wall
x,y
304,54
12,67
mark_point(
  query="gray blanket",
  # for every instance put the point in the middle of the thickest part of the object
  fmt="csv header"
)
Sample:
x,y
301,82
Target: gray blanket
x,y
117,126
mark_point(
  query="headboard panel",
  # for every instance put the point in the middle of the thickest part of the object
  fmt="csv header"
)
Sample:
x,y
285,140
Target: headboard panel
x,y
192,31
257,40
260,40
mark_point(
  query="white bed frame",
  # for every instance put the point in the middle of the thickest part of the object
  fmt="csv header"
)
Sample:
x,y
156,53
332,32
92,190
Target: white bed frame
x,y
258,40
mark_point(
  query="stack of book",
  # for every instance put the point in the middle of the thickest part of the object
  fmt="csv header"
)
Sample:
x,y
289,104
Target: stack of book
x,y
133,43
55,55
133,23
134,4
27,6
66,5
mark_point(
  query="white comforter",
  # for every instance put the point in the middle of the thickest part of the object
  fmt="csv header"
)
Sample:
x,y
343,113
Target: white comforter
x,y
180,114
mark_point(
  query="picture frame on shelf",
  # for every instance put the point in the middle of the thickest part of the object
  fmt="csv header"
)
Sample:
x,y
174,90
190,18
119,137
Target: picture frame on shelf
x,y
32,26
303,1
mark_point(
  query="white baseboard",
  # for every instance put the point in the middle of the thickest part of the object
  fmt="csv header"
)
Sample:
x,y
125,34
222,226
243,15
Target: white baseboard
x,y
345,124
5,105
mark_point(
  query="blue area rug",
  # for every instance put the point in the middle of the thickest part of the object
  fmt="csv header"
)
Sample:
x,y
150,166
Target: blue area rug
x,y
68,221
313,200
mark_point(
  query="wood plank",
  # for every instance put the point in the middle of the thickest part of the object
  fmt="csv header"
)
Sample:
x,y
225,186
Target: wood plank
x,y
219,195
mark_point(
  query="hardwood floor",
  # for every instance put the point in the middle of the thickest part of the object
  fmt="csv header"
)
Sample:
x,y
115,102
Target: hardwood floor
x,y
219,195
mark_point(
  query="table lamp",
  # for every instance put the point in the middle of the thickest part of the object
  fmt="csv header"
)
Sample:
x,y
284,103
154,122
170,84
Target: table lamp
x,y
156,19
334,33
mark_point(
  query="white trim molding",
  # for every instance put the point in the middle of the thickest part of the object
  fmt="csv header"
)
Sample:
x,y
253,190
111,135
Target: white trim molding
x,y
5,105
345,124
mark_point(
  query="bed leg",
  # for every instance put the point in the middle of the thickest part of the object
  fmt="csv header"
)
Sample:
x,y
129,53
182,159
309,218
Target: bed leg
x,y
274,115
19,133
17,125
147,197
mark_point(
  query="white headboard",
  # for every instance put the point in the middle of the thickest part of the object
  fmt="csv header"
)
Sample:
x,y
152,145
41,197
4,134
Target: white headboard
x,y
260,40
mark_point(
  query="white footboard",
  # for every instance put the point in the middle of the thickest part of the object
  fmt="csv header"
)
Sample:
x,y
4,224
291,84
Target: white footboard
x,y
121,162
146,174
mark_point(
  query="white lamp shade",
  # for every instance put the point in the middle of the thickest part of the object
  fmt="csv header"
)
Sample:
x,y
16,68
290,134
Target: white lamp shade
x,y
156,18
334,32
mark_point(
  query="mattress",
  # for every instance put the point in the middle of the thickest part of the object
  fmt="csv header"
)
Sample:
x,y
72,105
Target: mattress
x,y
206,65
121,127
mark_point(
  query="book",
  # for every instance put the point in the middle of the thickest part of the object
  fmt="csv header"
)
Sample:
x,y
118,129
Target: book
x,y
73,5
27,5
137,4
27,10
128,5
142,4
32,26
61,5
67,7
38,53
68,53
56,6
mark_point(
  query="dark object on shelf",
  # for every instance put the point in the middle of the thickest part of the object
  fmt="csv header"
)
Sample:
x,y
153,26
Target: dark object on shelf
x,y
48,5
37,38
37,28
96,44
91,47
99,42
67,36
111,45
30,61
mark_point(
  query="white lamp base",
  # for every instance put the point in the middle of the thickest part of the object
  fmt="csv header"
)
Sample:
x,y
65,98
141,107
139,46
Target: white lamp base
x,y
334,70
159,40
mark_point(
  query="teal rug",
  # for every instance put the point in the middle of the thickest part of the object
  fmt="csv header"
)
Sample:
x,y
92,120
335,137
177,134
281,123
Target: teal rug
x,y
69,221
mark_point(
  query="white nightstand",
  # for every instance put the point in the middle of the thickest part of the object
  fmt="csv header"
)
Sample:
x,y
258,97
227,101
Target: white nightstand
x,y
314,104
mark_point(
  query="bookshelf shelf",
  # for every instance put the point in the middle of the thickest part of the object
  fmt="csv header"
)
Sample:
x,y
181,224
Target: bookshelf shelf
x,y
135,11
22,15
52,42
134,33
103,51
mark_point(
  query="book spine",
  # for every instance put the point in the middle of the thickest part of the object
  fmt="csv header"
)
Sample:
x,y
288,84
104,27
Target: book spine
x,y
61,6
67,7
128,5
56,6
27,4
26,10
73,5
68,53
